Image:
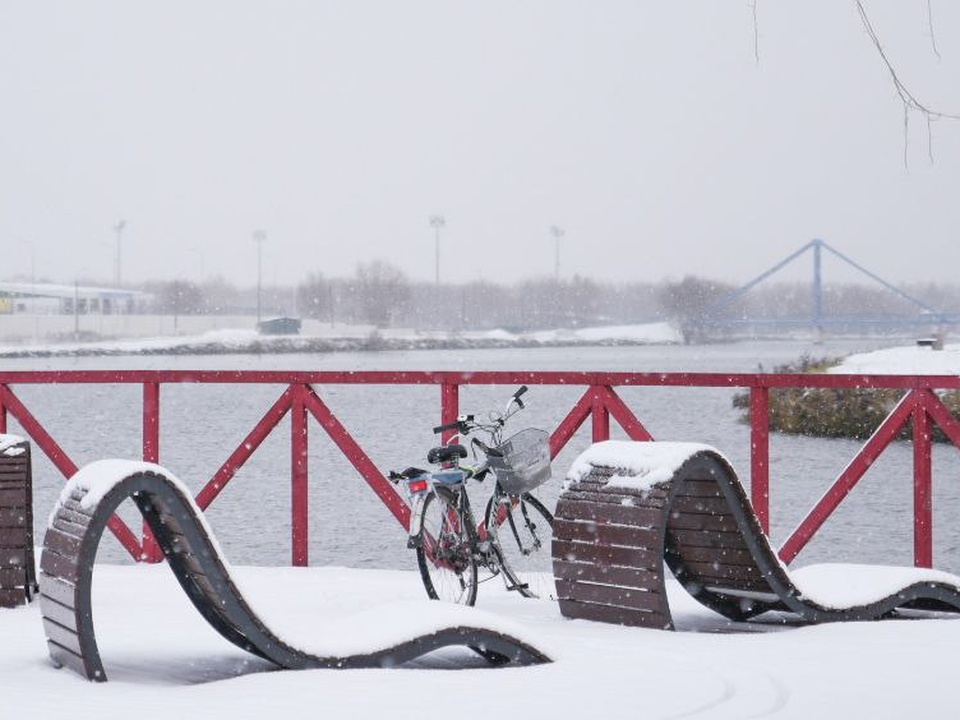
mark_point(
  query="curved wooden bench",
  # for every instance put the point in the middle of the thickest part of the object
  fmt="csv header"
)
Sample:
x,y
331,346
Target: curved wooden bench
x,y
70,546
18,581
615,530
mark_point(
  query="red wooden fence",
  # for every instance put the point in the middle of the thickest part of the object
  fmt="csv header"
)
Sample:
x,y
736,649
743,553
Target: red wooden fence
x,y
599,402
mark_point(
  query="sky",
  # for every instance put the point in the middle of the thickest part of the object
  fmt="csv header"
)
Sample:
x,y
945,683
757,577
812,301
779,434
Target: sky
x,y
663,139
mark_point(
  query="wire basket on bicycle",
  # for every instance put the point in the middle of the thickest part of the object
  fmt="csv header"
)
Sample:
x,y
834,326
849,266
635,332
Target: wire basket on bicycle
x,y
522,462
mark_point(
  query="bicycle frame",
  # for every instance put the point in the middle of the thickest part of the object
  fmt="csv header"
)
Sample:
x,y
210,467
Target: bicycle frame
x,y
458,498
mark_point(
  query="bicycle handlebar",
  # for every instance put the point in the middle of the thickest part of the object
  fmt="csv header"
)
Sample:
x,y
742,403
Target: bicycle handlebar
x,y
466,424
463,424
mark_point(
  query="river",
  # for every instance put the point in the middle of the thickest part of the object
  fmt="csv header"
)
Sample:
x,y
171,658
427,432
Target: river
x,y
202,425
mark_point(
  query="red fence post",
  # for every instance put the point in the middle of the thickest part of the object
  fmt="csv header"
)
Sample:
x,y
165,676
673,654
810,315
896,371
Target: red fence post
x,y
300,520
449,406
922,493
150,551
3,410
601,416
760,454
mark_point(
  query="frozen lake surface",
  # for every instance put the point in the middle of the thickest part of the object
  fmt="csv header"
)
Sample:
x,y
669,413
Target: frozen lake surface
x,y
202,425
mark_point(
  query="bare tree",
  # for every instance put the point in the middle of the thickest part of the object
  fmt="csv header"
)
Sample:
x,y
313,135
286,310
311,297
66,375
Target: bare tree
x,y
381,291
315,297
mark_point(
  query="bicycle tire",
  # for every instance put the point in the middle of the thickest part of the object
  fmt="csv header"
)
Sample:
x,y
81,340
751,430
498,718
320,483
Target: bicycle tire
x,y
522,536
445,555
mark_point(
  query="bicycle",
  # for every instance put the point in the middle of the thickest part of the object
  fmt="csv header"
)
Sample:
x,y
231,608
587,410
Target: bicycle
x,y
513,541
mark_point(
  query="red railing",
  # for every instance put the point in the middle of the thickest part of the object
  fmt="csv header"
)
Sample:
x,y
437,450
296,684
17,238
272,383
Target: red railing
x,y
599,402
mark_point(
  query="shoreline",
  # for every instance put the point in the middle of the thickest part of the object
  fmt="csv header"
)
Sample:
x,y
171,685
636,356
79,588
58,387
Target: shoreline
x,y
288,345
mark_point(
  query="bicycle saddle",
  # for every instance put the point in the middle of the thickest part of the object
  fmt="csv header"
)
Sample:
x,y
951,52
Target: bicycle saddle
x,y
446,454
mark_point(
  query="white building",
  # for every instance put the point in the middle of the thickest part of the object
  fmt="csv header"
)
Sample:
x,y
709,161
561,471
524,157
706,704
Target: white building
x,y
51,299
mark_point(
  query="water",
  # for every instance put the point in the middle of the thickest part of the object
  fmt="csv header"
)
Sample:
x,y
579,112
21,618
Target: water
x,y
202,424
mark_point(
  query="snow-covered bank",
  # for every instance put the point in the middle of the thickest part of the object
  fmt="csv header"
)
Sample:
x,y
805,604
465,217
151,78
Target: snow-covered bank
x,y
347,338
906,360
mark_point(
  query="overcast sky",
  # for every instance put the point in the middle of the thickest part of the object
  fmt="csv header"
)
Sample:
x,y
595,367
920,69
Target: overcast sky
x,y
647,130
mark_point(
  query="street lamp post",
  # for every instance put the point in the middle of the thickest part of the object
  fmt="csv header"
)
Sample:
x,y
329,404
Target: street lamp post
x,y
118,227
437,222
259,236
557,233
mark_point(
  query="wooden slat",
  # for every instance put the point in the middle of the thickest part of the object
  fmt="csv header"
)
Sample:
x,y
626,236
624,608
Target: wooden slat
x,y
587,509
68,527
62,636
71,515
60,566
61,614
717,569
13,577
61,543
15,469
13,496
59,590
15,557
605,554
66,658
720,580
73,505
11,597
632,598
693,521
613,615
693,487
705,539
728,556
707,505
606,533
612,497
636,577
13,517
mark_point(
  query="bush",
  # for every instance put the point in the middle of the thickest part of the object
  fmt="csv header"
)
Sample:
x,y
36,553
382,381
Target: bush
x,y
835,412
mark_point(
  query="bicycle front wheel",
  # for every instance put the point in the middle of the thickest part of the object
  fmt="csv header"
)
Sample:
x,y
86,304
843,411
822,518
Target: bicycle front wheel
x,y
448,567
522,529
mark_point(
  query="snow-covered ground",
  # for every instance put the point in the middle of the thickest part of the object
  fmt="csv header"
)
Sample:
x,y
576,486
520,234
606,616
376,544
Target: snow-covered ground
x,y
163,660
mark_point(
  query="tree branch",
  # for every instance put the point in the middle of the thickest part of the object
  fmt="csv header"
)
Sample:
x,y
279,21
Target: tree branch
x,y
910,102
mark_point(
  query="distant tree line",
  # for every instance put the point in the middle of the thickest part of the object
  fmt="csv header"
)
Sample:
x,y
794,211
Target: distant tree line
x,y
379,294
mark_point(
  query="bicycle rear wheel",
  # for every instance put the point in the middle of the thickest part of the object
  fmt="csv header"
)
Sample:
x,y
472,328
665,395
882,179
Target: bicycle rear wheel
x,y
448,567
522,529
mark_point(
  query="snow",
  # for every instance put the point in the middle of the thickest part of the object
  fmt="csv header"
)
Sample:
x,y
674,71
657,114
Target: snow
x,y
8,445
847,584
158,652
643,464
650,333
96,479
907,360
